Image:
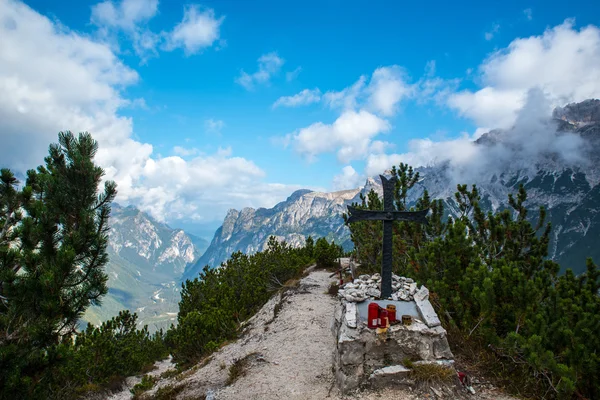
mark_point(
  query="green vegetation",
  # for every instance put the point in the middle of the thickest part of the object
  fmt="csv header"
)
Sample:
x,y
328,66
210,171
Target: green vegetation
x,y
214,304
429,373
53,240
491,282
146,384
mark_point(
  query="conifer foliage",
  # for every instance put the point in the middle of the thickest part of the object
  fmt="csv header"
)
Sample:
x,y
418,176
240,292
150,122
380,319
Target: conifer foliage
x,y
491,280
213,306
53,240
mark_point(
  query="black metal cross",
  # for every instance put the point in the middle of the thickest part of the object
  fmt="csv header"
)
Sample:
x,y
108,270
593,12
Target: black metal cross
x,y
388,216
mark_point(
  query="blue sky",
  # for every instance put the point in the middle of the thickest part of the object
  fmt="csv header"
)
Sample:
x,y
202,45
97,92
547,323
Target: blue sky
x,y
186,96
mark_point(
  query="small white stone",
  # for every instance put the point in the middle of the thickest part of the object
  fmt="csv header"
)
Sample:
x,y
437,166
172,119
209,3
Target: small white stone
x,y
422,294
413,288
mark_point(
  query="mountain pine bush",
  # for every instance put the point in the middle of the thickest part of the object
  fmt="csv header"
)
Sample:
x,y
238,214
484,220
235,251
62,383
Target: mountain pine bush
x,y
490,279
213,305
53,240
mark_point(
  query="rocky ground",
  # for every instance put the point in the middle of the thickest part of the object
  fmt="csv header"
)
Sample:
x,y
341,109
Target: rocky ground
x,y
285,352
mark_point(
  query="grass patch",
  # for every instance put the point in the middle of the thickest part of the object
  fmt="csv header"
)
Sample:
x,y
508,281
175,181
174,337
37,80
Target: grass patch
x,y
239,368
474,357
170,373
169,392
146,384
431,373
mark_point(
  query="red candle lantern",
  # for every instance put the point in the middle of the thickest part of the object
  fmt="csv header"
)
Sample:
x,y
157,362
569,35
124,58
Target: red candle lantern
x,y
373,316
383,318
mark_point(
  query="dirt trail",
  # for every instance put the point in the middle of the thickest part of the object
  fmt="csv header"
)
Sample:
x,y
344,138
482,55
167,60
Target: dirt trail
x,y
287,351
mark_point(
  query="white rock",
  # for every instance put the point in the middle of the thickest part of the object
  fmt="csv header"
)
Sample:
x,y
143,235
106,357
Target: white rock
x,y
413,288
427,313
350,286
351,315
422,294
372,292
364,277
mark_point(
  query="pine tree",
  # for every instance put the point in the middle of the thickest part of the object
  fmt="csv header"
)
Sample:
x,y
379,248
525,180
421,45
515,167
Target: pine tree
x,y
53,239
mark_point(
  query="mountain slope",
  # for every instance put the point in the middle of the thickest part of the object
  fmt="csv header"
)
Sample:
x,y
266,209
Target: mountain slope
x,y
566,184
303,214
146,260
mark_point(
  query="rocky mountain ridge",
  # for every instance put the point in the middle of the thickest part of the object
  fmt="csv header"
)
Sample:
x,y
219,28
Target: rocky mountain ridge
x,y
146,261
568,188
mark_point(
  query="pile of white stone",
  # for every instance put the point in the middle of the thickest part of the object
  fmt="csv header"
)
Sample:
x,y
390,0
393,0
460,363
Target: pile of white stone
x,y
369,286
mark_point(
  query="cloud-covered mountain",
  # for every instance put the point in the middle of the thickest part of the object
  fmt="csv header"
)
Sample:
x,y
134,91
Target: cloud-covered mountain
x,y
556,159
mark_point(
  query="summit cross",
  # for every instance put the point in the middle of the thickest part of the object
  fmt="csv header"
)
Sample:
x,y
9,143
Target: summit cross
x,y
388,216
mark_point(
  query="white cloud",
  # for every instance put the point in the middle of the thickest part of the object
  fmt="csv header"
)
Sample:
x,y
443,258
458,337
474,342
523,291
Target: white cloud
x,y
131,17
350,136
563,62
305,97
346,98
185,152
387,87
214,126
268,65
528,14
347,179
197,31
291,75
75,84
125,15
489,35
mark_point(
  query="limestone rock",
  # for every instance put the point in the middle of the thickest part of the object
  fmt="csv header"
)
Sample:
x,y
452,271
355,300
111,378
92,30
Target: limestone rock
x,y
427,312
351,315
422,294
387,376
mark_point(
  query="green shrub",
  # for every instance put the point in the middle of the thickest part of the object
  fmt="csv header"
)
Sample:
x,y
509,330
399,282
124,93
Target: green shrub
x,y
326,254
213,305
490,279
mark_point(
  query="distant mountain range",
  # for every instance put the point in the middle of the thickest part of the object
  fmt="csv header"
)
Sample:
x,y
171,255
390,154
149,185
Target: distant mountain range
x,y
568,188
147,259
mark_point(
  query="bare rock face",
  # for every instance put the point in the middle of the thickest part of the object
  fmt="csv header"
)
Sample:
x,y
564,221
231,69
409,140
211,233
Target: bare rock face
x,y
305,213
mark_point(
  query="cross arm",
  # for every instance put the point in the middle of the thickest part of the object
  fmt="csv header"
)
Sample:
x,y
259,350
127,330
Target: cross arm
x,y
357,214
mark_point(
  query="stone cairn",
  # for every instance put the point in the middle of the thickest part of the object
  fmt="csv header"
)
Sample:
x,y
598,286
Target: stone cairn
x,y
367,286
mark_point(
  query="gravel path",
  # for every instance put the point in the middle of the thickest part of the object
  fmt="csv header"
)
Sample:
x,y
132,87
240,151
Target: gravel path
x,y
287,351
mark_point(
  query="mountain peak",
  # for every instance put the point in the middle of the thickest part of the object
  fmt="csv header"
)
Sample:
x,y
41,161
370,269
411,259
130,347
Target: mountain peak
x,y
578,114
297,194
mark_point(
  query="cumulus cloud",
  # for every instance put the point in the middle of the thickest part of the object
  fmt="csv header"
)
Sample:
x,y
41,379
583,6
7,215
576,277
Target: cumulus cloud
x,y
532,139
347,179
350,136
198,30
364,107
564,62
75,83
346,98
305,97
520,85
387,87
268,65
126,15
